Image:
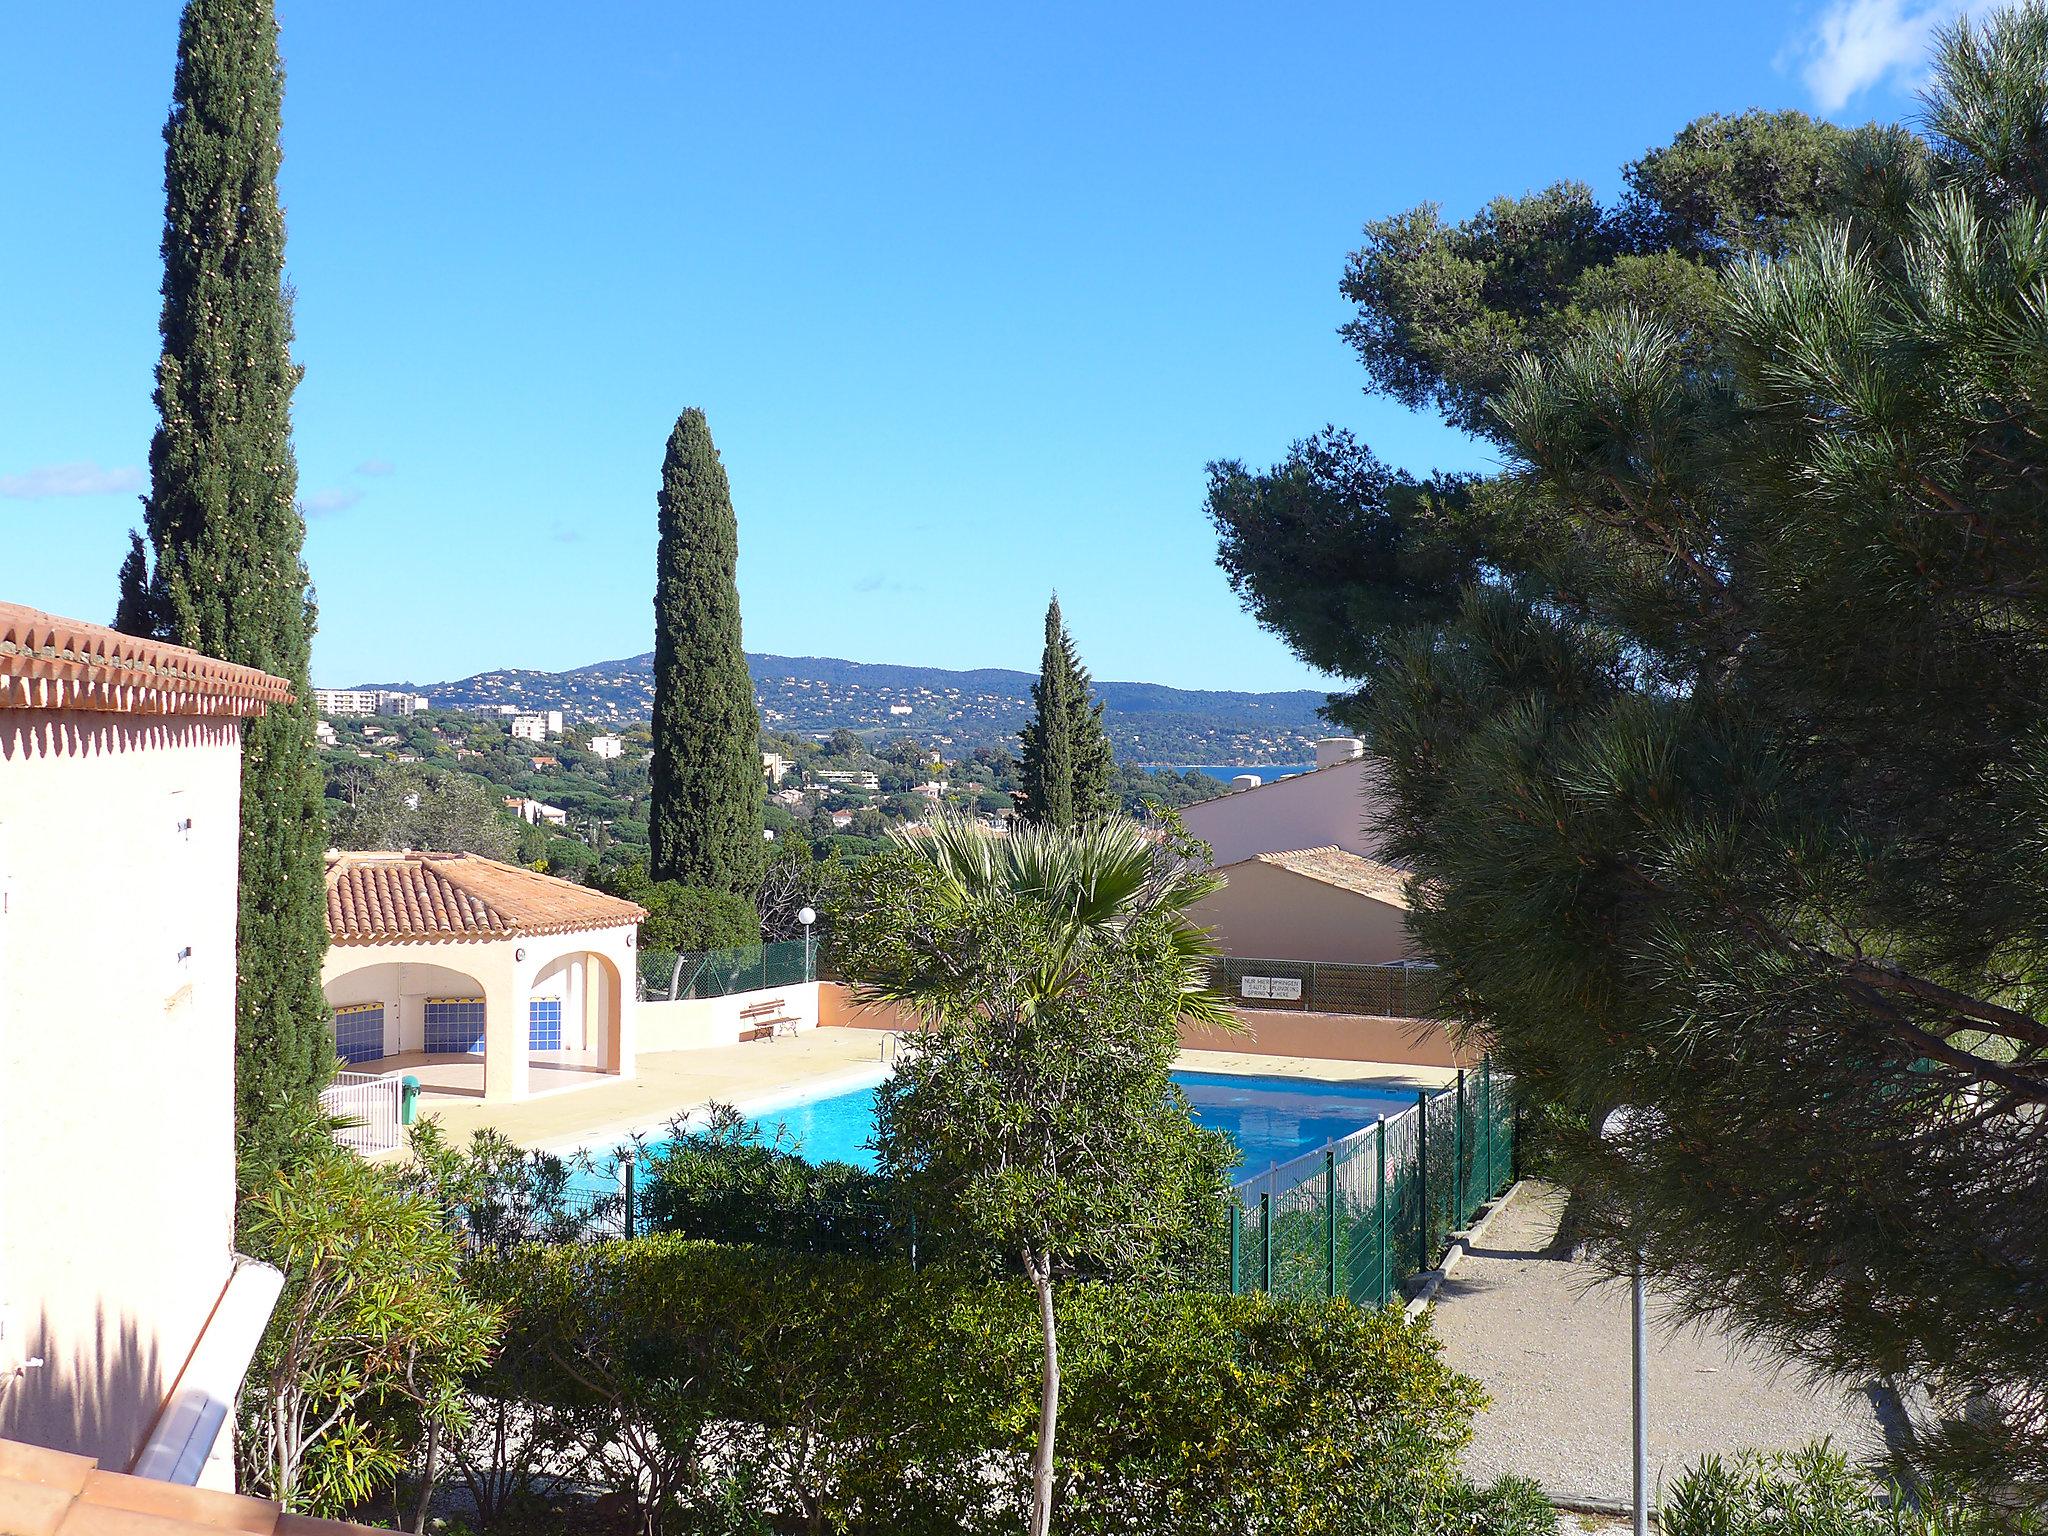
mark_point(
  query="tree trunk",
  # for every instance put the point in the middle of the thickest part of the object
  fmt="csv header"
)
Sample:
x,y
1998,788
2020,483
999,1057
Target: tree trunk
x,y
1048,1398
427,1471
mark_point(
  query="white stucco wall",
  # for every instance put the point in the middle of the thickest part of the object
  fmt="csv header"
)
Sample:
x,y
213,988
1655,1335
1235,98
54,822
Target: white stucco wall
x,y
117,981
700,1023
1332,806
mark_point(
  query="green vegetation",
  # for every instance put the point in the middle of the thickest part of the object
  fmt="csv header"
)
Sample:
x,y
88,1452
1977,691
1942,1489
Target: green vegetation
x,y
705,812
709,1385
364,1360
1815,1492
222,571
1715,723
1054,968
1065,770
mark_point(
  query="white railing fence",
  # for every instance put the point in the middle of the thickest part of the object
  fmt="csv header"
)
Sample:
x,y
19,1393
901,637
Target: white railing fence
x,y
369,1101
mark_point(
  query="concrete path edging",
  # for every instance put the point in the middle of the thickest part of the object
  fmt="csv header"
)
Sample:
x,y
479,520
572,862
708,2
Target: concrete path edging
x,y
1461,1244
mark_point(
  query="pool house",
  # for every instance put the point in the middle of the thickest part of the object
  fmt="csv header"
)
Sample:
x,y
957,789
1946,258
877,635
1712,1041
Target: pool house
x,y
480,979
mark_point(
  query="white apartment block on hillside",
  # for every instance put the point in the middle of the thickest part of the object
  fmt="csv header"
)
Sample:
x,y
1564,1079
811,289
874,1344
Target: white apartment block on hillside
x,y
607,747
536,725
368,701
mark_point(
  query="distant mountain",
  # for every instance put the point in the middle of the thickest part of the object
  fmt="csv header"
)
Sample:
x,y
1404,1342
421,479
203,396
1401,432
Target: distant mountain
x,y
1147,722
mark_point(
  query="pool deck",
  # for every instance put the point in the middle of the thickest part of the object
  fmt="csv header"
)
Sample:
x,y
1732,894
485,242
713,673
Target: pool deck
x,y
670,1083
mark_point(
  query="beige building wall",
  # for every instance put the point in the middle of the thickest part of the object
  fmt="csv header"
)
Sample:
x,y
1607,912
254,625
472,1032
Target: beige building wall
x,y
117,981
1267,913
591,970
1337,805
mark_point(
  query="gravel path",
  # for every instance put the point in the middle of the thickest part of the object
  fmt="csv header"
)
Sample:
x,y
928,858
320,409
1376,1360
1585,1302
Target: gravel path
x,y
1552,1348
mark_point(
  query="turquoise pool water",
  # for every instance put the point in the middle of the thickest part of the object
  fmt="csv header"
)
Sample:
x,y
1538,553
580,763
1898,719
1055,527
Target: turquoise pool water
x,y
1270,1118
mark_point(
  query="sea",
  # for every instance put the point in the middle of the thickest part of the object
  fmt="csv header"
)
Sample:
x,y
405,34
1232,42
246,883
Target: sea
x,y
1267,772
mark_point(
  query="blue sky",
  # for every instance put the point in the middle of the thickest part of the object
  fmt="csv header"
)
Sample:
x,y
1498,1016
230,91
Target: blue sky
x,y
970,293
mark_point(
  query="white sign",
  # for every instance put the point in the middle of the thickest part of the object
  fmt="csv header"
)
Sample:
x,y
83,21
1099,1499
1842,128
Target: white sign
x,y
1286,989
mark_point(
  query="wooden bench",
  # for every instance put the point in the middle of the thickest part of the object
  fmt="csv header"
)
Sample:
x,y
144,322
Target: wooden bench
x,y
767,1019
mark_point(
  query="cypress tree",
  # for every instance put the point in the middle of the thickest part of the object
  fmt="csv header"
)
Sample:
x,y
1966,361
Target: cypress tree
x,y
705,821
1066,760
225,529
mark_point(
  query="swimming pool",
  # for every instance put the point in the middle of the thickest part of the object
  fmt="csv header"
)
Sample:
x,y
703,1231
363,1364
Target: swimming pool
x,y
1270,1118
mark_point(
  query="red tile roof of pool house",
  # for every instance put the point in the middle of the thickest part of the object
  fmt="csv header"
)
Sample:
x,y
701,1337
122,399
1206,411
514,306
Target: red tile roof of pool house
x,y
381,898
51,663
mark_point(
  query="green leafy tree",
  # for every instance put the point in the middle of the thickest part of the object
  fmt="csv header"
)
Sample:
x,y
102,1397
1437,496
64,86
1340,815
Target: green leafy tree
x,y
371,1340
222,571
705,820
1054,968
406,808
693,918
1715,727
1066,759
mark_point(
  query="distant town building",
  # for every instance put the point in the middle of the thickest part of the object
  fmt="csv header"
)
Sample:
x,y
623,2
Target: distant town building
x,y
607,747
846,778
775,765
792,798
536,813
368,701
324,733
536,724
841,820
546,760
899,709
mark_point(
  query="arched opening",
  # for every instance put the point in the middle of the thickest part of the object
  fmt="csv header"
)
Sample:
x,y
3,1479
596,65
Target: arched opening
x,y
574,1016
413,1016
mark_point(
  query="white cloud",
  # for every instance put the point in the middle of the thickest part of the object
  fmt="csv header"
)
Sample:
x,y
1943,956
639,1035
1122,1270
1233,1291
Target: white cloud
x,y
81,479
375,467
336,498
1856,44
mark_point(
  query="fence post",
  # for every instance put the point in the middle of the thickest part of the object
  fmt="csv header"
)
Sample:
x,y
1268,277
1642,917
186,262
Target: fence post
x,y
1330,1211
1459,1189
1236,1239
626,1169
1266,1241
1422,1167
1380,1144
1486,1122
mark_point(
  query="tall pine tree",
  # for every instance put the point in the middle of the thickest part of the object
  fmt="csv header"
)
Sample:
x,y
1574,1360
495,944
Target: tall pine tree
x,y
225,530
1066,760
705,824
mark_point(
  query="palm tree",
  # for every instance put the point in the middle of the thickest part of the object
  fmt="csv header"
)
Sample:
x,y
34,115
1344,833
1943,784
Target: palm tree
x,y
1089,881
1065,1097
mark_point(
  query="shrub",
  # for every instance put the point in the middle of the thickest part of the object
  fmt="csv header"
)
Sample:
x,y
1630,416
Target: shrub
x,y
693,918
722,1182
1815,1492
859,1396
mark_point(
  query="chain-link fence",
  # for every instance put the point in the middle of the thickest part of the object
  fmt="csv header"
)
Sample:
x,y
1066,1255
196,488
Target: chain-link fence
x,y
1404,991
666,975
1363,1214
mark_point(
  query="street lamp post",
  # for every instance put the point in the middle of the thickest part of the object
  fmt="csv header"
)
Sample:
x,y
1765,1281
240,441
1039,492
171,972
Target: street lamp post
x,y
807,917
1613,1128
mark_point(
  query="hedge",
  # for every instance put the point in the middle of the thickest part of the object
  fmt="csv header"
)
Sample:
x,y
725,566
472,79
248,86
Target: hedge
x,y
849,1395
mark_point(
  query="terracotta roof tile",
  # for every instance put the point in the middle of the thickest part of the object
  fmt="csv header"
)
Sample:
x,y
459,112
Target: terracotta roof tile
x,y
385,897
52,663
1343,869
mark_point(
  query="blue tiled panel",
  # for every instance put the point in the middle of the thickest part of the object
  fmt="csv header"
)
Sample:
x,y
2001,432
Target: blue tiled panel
x,y
544,1024
359,1032
455,1025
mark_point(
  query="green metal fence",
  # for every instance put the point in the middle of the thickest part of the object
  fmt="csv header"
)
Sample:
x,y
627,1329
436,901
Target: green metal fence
x,y
668,976
1315,986
1360,1216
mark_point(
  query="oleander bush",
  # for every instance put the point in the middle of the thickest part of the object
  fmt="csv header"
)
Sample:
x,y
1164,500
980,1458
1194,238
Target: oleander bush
x,y
836,1394
1815,1491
